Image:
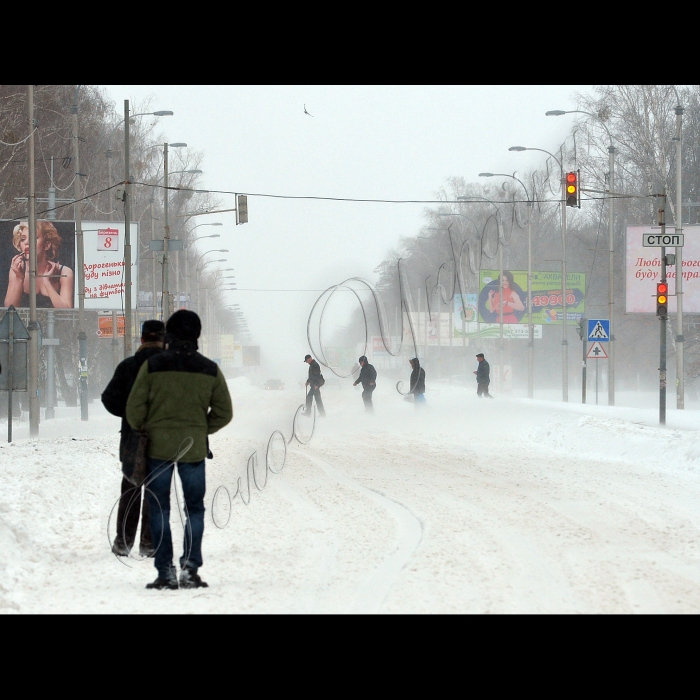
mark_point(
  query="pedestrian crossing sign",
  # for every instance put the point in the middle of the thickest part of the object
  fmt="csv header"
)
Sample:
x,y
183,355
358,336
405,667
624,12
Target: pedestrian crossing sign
x,y
599,330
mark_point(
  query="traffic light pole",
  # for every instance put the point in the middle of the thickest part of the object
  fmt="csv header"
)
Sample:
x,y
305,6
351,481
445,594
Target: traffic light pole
x,y
611,277
583,328
663,319
564,342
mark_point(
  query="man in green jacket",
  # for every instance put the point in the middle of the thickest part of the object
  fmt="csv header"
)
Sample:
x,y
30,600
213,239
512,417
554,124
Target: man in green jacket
x,y
179,397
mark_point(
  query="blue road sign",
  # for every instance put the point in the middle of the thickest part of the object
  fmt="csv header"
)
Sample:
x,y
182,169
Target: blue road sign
x,y
599,329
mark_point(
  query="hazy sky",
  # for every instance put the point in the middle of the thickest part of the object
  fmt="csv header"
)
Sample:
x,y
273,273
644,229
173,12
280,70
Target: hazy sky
x,y
379,142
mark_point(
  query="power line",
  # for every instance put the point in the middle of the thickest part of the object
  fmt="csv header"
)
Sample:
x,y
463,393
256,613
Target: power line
x,y
382,201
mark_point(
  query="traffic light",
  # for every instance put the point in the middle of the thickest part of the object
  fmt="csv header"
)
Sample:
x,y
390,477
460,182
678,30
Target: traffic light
x,y
582,328
662,299
572,191
241,209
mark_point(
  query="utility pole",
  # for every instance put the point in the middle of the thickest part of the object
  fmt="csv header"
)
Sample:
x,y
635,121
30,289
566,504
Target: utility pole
x,y
167,310
530,327
680,368
583,333
153,261
611,277
128,348
33,326
564,341
500,309
78,208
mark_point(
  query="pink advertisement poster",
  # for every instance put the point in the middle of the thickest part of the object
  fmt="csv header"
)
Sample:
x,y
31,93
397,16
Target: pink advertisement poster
x,y
644,271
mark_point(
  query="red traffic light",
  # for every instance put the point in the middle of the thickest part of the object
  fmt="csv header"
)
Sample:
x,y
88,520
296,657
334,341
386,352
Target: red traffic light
x,y
662,299
572,192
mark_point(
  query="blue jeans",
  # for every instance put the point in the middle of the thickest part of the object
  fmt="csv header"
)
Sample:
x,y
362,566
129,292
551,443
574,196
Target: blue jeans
x,y
158,490
419,399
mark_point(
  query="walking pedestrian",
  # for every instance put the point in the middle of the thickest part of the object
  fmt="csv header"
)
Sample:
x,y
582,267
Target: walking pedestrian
x,y
417,383
314,382
368,376
114,398
178,396
483,378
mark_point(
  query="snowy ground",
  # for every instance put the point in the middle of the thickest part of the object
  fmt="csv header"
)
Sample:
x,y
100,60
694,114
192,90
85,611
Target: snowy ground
x,y
469,506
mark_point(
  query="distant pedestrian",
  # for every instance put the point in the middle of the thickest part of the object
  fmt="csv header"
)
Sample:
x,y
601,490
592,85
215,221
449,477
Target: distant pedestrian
x,y
368,376
483,378
417,384
178,396
314,382
114,398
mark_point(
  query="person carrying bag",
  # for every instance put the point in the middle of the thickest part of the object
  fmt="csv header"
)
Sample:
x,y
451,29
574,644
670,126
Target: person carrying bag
x,y
133,445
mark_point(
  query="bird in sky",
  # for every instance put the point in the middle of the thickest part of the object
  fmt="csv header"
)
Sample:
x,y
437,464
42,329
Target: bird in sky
x,y
305,112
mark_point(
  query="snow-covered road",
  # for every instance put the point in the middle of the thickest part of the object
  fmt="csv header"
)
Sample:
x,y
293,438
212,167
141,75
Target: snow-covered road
x,y
468,506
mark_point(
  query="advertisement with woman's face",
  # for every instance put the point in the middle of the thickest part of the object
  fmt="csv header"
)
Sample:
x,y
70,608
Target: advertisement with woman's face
x,y
55,264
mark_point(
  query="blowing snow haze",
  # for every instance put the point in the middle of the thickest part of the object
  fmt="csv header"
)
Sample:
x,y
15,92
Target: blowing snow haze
x,y
392,222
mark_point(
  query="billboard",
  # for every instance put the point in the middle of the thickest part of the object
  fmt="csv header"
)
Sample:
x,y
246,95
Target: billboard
x,y
103,246
546,297
55,281
643,271
251,355
340,356
426,327
466,325
105,327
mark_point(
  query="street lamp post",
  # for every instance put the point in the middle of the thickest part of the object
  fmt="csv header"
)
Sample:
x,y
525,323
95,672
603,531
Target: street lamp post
x,y
680,363
33,323
461,252
208,316
167,301
530,327
128,330
499,227
611,232
196,271
186,248
153,236
82,337
564,342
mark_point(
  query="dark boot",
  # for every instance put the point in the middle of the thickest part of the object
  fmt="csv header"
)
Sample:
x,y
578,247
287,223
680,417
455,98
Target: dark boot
x,y
190,579
169,582
119,548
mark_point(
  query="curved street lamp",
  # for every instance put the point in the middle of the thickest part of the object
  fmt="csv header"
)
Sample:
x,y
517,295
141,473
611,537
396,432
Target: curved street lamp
x,y
530,327
206,252
500,243
564,342
611,230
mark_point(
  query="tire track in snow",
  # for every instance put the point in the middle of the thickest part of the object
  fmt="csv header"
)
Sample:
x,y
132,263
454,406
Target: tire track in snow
x,y
372,594
322,559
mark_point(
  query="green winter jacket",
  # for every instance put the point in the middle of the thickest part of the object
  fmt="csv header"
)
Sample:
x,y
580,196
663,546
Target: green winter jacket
x,y
179,393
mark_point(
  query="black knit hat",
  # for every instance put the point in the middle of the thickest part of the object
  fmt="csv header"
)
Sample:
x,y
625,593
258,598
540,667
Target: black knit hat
x,y
184,325
308,357
363,359
153,330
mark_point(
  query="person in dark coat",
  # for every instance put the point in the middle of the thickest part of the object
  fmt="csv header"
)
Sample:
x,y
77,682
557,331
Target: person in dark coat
x,y
179,398
114,398
417,383
314,382
368,376
483,378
